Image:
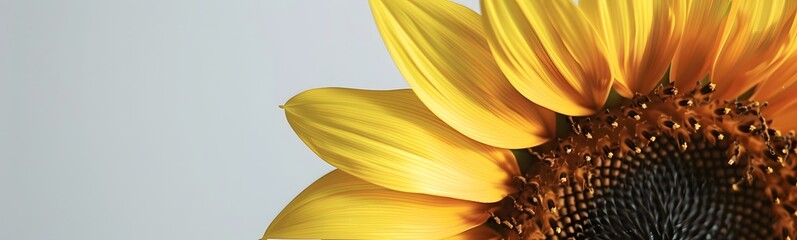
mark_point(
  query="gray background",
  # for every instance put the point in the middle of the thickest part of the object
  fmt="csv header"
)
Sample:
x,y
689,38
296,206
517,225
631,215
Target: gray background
x,y
159,120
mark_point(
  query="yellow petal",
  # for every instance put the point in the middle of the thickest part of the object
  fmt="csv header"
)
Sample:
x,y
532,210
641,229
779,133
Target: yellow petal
x,y
784,121
700,41
755,33
781,100
780,85
481,232
391,139
440,48
341,206
640,38
778,89
550,53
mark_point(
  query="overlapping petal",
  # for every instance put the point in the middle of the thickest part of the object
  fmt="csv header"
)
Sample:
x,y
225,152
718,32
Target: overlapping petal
x,y
341,206
640,37
754,35
391,139
550,53
440,48
700,41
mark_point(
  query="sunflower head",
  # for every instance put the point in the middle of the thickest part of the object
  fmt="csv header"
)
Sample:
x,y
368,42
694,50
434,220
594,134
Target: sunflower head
x,y
663,166
660,119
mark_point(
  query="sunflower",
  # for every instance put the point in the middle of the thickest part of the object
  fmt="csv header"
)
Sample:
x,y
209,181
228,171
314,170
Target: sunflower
x,y
554,119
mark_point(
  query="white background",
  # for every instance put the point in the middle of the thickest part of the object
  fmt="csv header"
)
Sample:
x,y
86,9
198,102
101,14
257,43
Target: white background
x,y
159,119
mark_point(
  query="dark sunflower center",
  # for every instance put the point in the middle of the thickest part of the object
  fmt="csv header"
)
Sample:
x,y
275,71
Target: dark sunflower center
x,y
665,193
662,166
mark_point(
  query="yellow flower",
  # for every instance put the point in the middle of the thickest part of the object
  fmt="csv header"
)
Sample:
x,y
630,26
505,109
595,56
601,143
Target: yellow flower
x,y
550,119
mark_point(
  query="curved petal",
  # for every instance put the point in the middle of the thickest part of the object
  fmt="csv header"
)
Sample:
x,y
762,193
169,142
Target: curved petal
x,y
391,139
778,90
550,53
640,38
482,232
440,48
700,41
341,206
755,33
